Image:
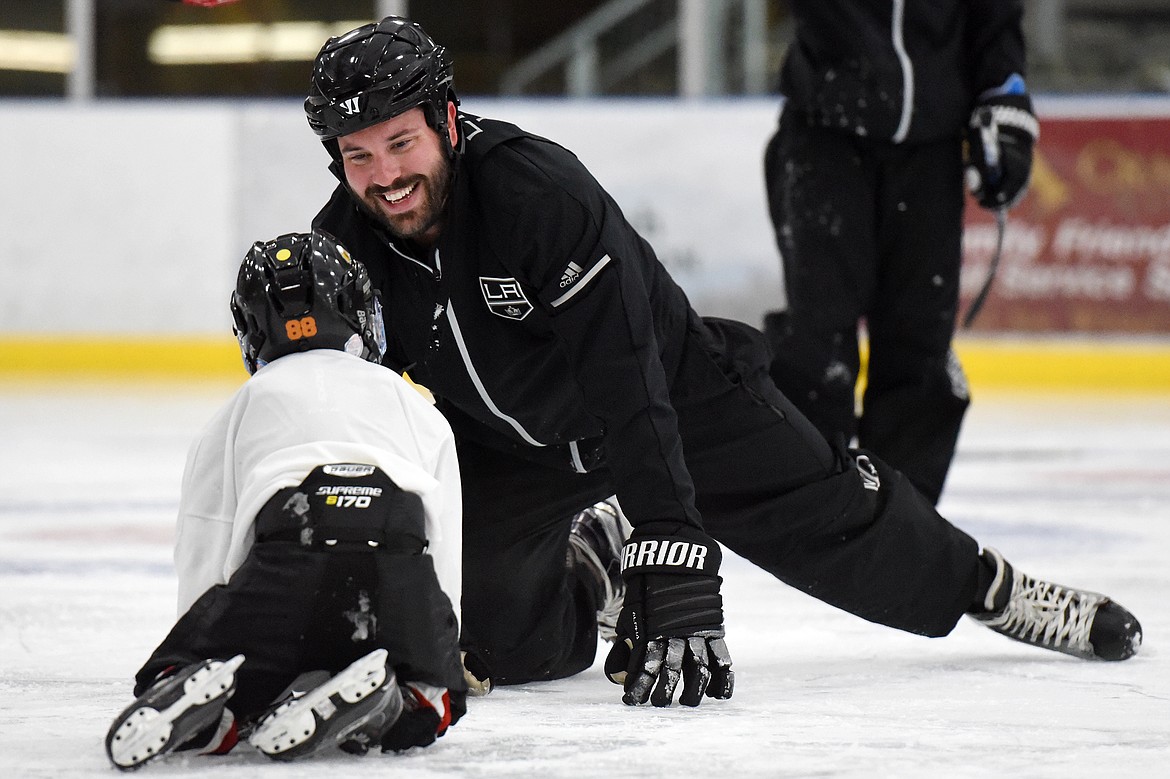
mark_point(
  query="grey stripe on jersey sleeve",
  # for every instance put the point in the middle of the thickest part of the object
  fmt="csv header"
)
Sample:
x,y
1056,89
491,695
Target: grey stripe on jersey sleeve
x,y
582,282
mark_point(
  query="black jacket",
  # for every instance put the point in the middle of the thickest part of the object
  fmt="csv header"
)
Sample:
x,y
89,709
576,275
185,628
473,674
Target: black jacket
x,y
899,70
540,316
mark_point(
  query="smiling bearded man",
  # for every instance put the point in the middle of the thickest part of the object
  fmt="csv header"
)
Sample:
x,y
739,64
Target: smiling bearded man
x,y
572,368
402,175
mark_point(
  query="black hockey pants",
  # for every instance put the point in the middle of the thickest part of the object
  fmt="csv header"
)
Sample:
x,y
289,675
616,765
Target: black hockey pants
x,y
297,605
870,231
768,486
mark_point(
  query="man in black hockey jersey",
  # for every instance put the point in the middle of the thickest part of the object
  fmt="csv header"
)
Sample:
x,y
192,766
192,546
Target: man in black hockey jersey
x,y
572,368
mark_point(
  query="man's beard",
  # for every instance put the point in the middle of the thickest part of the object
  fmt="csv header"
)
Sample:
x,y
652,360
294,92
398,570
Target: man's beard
x,y
434,188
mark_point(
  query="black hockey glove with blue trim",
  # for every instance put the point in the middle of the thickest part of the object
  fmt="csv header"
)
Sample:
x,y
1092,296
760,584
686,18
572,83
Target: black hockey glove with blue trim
x,y
671,626
999,140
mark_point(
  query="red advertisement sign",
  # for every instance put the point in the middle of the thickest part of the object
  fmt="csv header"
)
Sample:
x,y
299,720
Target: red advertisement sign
x,y
1088,249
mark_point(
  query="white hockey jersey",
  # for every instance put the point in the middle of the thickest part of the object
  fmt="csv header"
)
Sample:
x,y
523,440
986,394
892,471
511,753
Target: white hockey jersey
x,y
296,413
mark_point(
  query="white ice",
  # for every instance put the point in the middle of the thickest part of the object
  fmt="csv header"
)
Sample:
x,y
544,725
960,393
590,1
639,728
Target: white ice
x,y
1073,489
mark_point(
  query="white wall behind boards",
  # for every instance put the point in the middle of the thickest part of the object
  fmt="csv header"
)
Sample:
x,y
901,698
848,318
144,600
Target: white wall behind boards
x,y
130,218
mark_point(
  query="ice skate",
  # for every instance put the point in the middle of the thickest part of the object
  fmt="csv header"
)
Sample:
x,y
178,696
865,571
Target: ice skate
x,y
350,708
174,710
595,543
1052,616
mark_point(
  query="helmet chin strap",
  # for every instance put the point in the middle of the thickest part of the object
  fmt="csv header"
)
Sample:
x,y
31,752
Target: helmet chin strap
x,y
377,330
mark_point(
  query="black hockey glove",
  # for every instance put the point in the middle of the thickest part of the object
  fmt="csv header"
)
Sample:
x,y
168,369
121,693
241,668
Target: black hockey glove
x,y
671,626
427,712
999,139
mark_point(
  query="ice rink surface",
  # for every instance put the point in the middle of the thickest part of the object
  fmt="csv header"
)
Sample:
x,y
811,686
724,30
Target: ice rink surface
x,y
1072,489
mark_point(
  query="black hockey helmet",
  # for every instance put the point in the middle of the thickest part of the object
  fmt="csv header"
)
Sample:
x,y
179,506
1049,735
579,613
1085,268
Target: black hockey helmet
x,y
304,291
375,73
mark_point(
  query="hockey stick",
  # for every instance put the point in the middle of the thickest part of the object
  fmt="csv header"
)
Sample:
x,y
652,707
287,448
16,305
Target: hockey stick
x,y
985,290
990,134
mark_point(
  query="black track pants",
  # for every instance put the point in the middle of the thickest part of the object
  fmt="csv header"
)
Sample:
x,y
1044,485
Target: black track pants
x,y
769,487
290,611
870,231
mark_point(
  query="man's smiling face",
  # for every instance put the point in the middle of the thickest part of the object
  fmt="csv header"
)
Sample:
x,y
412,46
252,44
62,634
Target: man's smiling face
x,y
400,171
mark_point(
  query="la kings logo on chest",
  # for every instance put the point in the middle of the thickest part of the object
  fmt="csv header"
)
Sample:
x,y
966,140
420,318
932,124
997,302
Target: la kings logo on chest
x,y
504,297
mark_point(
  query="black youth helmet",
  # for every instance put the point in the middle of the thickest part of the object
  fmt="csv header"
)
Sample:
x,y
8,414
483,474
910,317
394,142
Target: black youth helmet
x,y
375,73
300,292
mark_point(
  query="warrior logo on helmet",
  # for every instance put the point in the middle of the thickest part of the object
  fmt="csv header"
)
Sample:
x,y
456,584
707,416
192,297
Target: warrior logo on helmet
x,y
352,106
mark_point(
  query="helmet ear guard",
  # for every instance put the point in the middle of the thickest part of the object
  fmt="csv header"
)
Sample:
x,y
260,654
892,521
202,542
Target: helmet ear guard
x,y
249,334
377,72
304,291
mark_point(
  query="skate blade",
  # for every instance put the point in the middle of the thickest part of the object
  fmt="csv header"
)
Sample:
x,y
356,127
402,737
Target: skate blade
x,y
291,731
145,733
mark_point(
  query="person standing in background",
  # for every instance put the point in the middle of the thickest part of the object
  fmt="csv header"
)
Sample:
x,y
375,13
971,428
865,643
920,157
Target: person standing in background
x,y
886,102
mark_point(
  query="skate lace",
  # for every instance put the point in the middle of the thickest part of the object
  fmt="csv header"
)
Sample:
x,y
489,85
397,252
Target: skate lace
x,y
612,598
607,615
1048,614
607,534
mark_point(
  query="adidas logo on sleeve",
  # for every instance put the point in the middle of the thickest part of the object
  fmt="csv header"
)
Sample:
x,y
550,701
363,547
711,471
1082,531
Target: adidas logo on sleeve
x,y
571,274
